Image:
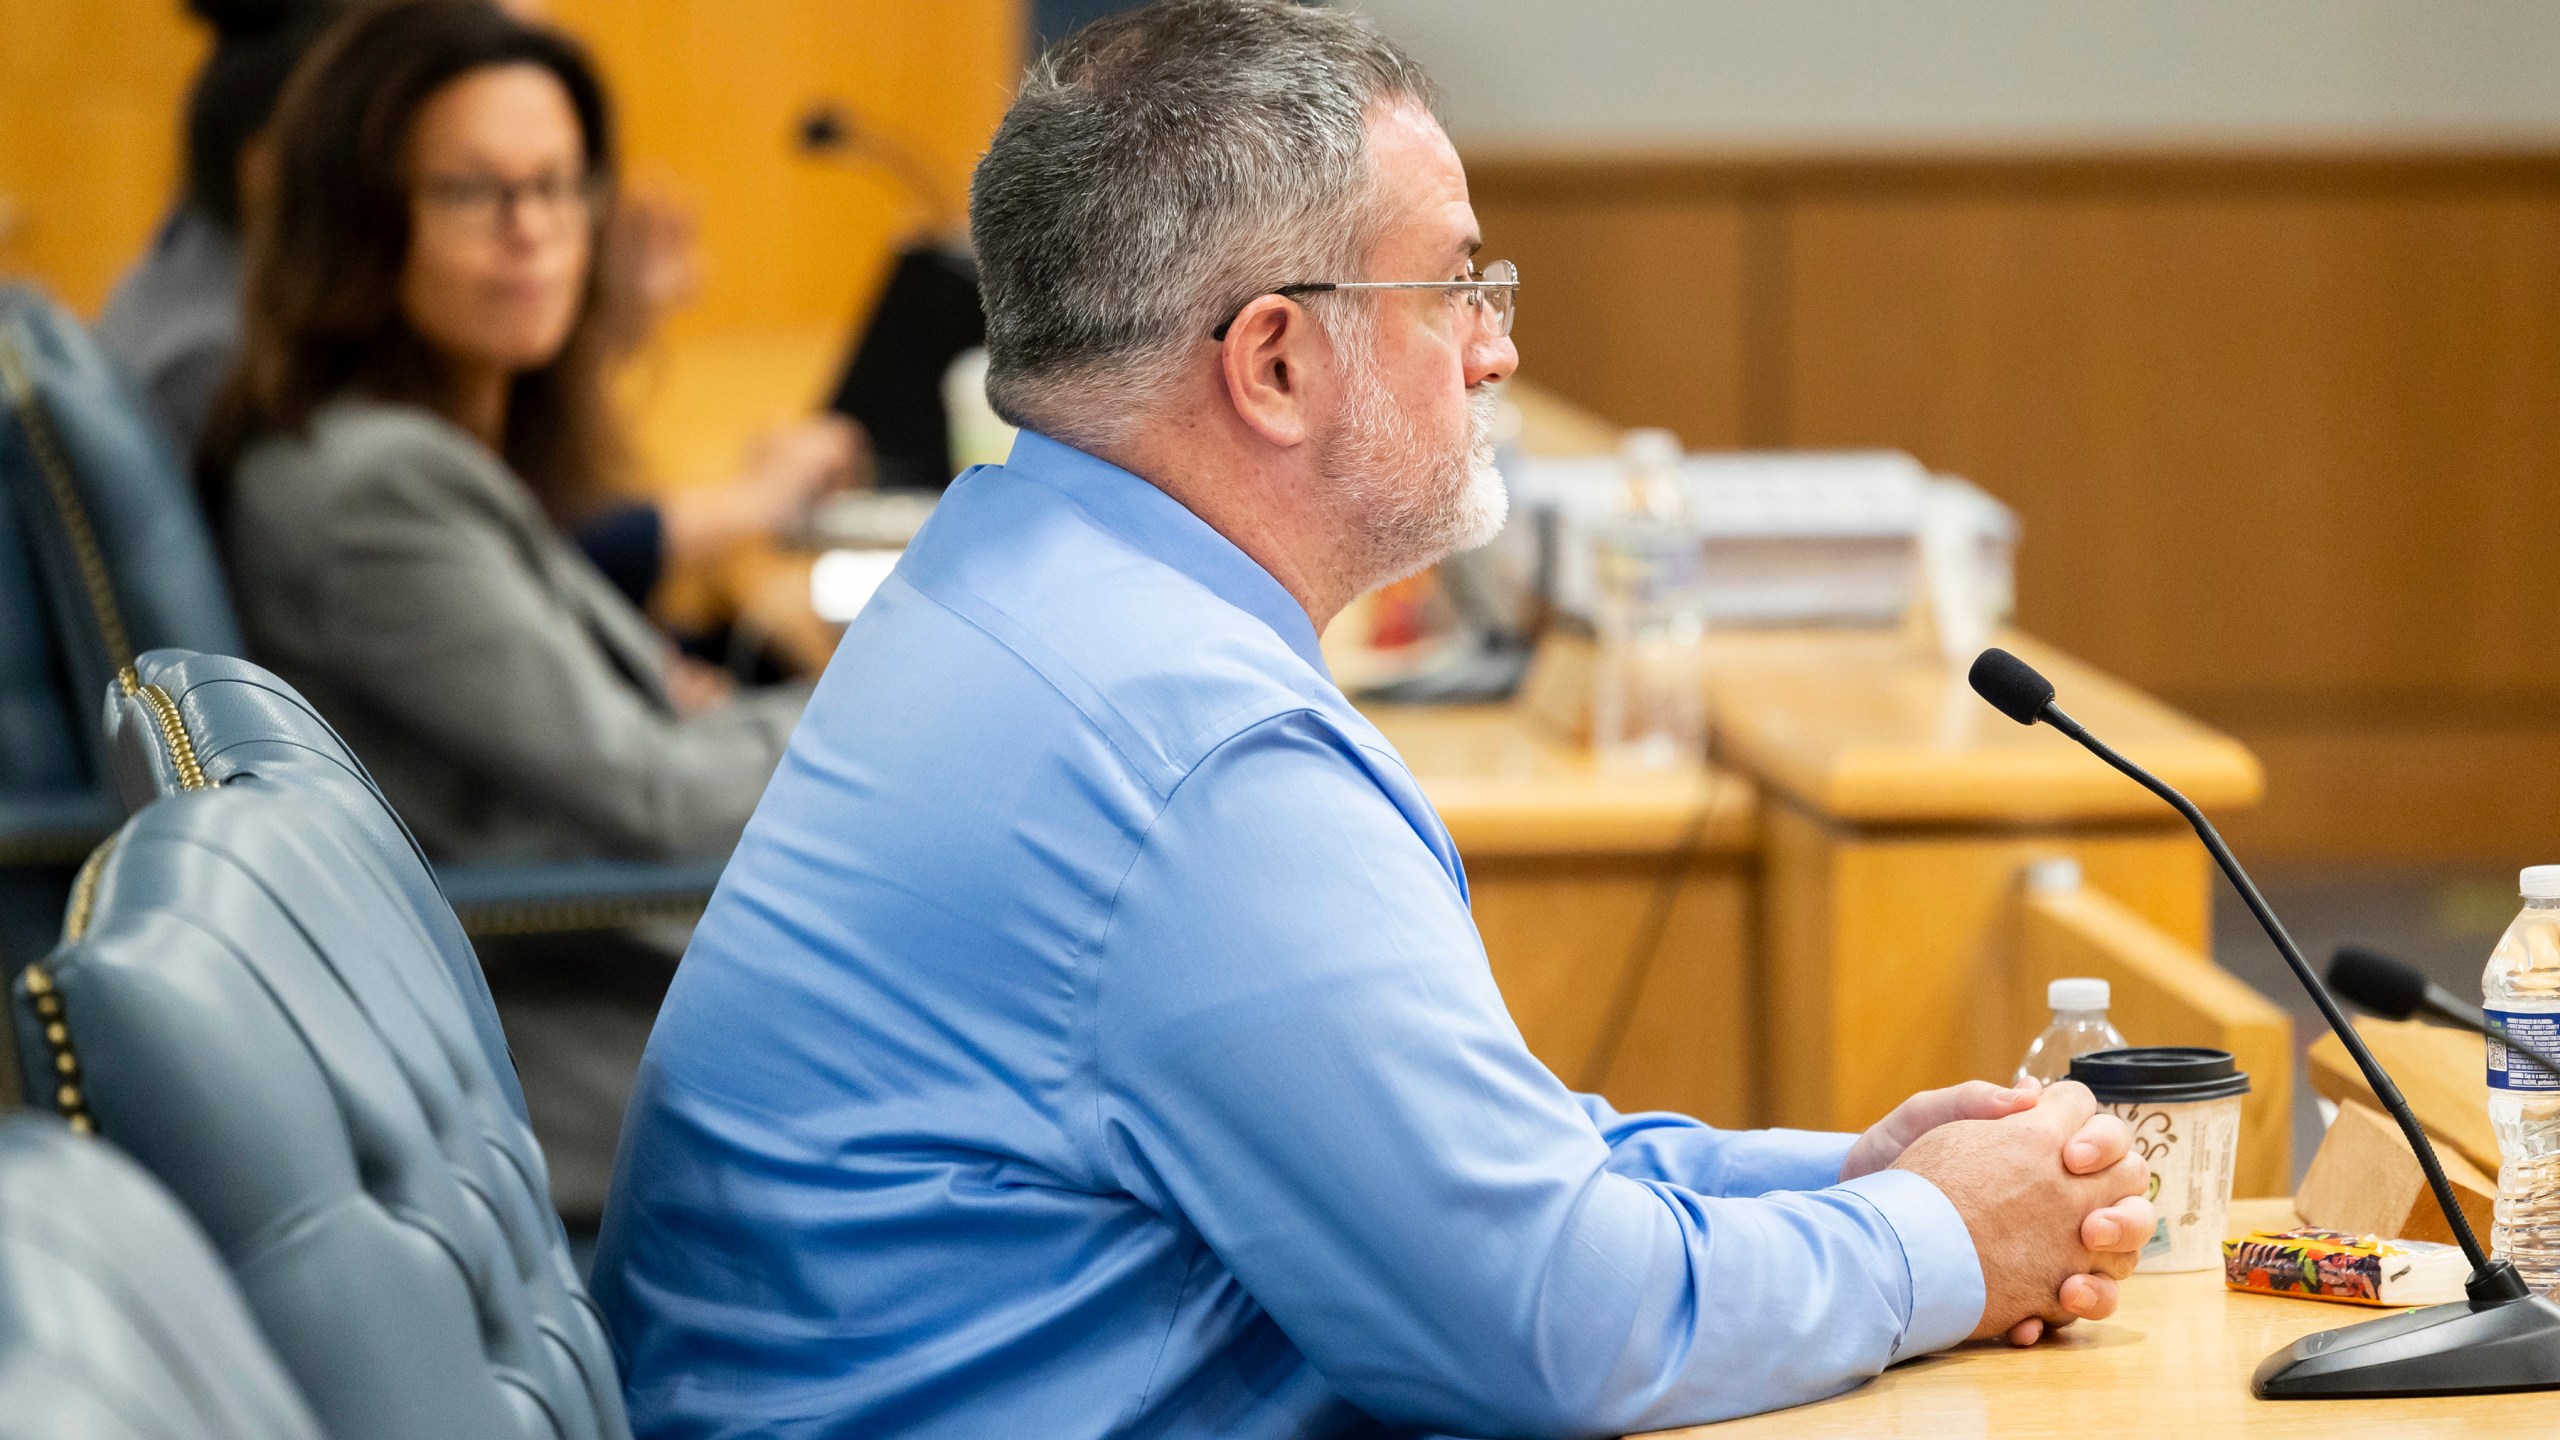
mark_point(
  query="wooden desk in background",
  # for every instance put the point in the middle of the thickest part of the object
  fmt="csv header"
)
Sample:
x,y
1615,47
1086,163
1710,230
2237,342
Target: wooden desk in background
x,y
1899,949
1617,910
1830,917
2173,1364
696,404
2443,1073
1902,948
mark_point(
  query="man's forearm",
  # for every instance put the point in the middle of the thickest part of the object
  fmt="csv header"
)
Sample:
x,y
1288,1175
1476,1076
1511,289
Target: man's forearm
x,y
1662,1145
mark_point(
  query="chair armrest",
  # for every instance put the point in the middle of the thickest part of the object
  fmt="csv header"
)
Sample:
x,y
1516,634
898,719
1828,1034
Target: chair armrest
x,y
49,827
535,897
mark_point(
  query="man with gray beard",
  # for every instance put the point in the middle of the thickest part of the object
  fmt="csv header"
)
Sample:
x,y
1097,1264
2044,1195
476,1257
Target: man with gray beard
x,y
1089,1036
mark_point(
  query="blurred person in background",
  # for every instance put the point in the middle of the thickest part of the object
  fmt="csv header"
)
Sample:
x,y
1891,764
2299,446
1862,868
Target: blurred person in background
x,y
420,408
175,317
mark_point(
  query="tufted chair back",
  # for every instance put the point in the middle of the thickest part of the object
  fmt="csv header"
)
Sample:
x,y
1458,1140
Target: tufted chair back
x,y
177,720
54,800
117,1322
52,809
40,749
249,1004
103,552
119,544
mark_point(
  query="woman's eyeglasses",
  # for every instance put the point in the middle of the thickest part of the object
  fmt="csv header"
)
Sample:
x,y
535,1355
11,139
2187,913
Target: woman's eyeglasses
x,y
489,204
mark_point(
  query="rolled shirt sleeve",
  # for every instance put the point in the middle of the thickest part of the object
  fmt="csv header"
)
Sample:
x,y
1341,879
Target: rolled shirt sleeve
x,y
1300,1055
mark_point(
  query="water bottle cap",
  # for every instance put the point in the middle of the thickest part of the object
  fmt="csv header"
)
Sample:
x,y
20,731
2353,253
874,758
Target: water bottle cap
x,y
2540,882
2076,995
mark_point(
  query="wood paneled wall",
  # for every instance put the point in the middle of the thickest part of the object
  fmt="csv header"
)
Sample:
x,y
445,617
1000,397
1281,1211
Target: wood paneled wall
x,y
708,90
89,136
2283,428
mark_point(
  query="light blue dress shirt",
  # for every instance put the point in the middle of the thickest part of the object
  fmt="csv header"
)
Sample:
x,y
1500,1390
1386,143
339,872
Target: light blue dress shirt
x,y
1090,1038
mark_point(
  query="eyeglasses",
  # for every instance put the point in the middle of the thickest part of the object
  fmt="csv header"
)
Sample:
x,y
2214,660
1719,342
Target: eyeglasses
x,y
1492,296
487,203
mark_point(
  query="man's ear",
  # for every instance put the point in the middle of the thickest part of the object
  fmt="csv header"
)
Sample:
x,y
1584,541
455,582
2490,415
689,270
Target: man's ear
x,y
1266,363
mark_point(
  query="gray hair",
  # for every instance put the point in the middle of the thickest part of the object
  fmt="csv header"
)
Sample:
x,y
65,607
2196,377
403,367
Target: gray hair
x,y
1160,169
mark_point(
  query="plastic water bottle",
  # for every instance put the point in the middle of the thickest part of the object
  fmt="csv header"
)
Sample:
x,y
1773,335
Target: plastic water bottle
x,y
2521,990
1649,696
2079,1026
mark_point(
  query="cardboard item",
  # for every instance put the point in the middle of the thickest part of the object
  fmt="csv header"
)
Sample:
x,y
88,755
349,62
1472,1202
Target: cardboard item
x,y
2365,1181
2442,1071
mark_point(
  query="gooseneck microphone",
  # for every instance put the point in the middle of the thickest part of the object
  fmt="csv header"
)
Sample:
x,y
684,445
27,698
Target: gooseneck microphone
x,y
2395,990
2504,1337
2015,689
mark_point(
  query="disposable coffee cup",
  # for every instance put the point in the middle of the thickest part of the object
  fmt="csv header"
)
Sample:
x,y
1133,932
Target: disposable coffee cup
x,y
2183,1105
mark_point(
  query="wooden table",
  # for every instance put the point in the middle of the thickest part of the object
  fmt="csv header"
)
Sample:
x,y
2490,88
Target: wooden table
x,y
2173,1364
697,402
1877,728
1899,948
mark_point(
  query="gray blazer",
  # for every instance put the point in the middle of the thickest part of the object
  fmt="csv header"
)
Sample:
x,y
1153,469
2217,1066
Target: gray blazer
x,y
510,701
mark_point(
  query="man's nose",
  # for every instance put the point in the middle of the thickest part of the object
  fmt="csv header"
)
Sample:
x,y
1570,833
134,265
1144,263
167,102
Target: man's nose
x,y
1491,361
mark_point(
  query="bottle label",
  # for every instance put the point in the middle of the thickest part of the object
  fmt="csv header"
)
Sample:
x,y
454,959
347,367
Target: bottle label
x,y
2509,1070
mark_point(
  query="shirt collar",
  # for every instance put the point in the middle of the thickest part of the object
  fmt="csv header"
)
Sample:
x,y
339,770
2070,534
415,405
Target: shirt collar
x,y
1162,527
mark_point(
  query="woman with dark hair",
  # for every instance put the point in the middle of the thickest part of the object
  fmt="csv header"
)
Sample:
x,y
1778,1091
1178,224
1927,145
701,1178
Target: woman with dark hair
x,y
174,319
418,408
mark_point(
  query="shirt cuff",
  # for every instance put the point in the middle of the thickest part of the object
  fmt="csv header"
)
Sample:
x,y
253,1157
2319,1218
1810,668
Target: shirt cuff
x,y
1947,1293
1765,1160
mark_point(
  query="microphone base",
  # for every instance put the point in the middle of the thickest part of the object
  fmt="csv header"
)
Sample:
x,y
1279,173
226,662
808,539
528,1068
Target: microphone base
x,y
2458,1349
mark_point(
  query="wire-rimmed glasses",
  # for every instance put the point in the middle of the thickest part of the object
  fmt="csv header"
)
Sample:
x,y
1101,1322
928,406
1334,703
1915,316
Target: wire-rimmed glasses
x,y
1493,295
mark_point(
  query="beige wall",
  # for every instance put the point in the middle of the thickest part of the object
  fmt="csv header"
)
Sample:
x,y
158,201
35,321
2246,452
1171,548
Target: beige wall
x,y
1870,71
89,95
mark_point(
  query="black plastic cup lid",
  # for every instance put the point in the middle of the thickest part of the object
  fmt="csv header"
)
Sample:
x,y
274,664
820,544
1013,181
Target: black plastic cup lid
x,y
2159,1074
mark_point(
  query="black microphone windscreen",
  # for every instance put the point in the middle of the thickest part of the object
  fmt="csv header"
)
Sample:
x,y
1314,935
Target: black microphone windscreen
x,y
2011,685
2392,989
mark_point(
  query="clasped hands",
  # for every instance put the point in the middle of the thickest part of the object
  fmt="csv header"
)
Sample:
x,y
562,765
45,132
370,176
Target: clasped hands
x,y
2049,1188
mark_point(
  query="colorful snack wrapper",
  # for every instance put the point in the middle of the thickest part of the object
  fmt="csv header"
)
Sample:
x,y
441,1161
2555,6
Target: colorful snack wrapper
x,y
2350,1269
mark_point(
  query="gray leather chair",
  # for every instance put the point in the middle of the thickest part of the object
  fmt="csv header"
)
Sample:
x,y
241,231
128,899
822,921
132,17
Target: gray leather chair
x,y
51,812
51,807
249,1004
188,721
117,1321
120,545
94,563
